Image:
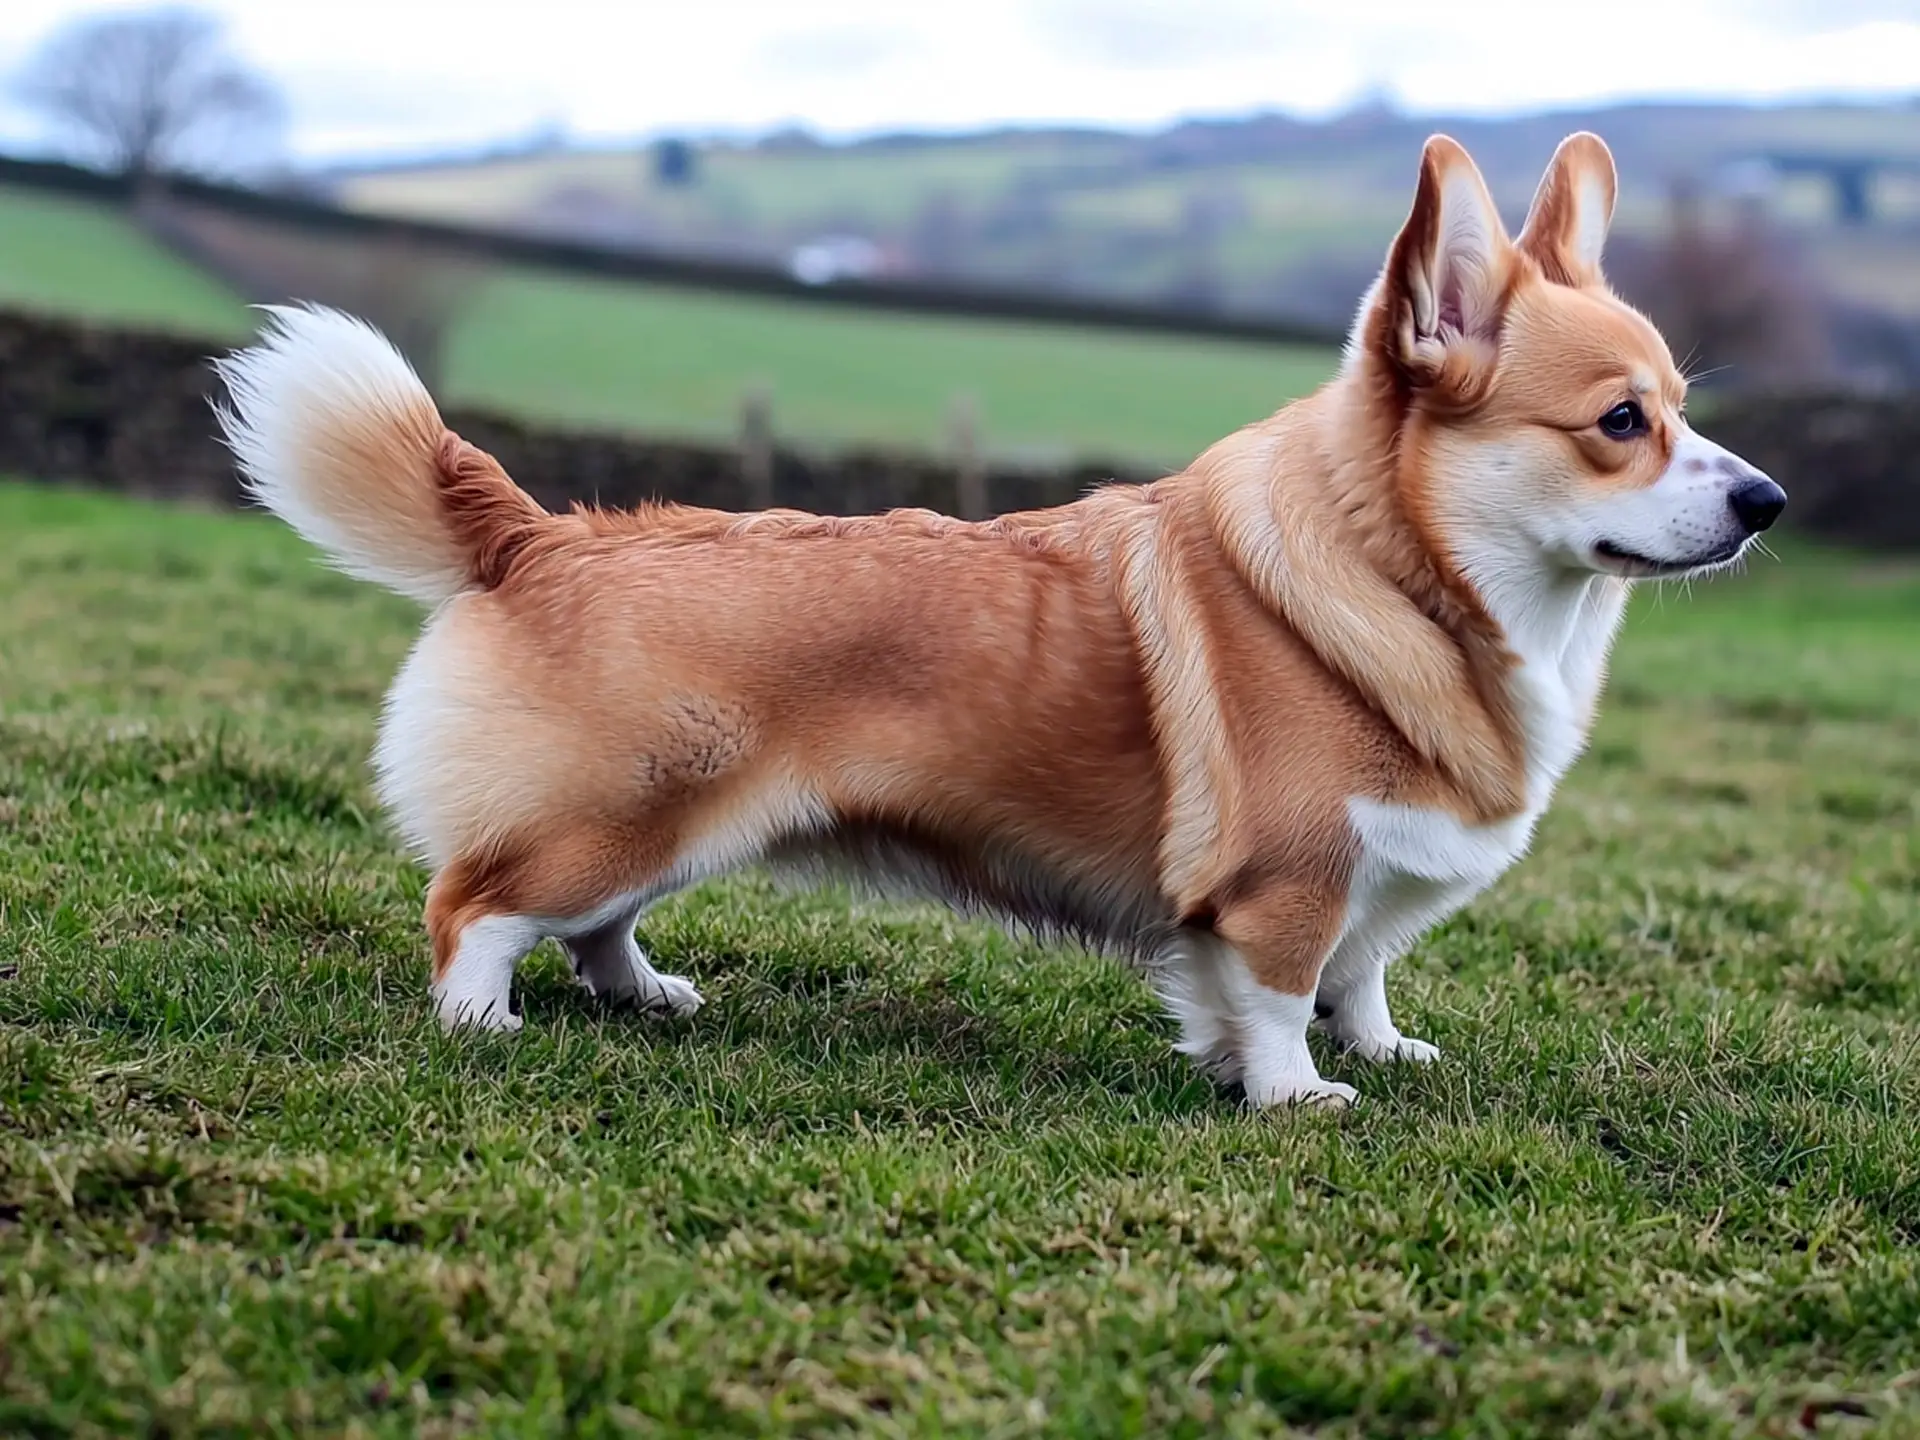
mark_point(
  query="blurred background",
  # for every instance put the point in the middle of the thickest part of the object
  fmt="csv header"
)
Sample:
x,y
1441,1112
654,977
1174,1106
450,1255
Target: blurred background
x,y
723,251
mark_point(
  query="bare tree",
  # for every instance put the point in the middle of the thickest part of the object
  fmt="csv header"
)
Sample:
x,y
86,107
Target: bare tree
x,y
145,92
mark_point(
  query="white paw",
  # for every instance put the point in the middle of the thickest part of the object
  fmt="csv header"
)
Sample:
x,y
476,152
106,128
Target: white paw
x,y
637,983
1394,1048
1328,1093
1416,1052
672,995
468,1015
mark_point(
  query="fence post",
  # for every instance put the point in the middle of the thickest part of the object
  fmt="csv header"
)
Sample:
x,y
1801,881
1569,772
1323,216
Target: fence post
x,y
969,468
756,447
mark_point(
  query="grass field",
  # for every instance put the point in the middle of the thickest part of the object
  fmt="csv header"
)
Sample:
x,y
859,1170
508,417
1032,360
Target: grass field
x,y
605,354
78,257
664,361
903,1176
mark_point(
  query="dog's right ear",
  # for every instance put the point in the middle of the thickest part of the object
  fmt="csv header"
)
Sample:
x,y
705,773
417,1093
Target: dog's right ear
x,y
1444,292
1567,227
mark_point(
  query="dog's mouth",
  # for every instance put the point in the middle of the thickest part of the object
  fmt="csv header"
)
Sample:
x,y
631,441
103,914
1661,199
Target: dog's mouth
x,y
1631,565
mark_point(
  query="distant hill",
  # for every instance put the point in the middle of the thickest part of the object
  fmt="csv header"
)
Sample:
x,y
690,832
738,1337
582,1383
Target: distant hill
x,y
1265,215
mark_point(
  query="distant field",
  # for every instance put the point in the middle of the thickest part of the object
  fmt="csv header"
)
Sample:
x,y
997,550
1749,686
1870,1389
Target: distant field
x,y
676,361
1262,212
79,257
760,188
608,354
904,1176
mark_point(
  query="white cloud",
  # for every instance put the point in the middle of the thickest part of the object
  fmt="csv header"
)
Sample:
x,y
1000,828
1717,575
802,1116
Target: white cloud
x,y
364,75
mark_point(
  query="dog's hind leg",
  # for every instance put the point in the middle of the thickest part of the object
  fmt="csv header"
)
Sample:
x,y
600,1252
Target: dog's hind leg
x,y
609,961
581,884
473,971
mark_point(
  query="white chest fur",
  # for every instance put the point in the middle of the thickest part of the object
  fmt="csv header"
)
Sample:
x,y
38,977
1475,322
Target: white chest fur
x,y
1417,866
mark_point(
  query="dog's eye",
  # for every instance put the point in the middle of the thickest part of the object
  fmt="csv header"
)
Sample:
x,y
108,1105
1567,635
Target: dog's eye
x,y
1624,421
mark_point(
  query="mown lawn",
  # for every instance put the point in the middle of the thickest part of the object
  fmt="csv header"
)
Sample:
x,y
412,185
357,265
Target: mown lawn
x,y
902,1176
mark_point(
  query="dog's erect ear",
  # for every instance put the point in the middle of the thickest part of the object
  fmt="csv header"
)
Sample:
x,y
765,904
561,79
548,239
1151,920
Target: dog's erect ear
x,y
1567,227
1447,275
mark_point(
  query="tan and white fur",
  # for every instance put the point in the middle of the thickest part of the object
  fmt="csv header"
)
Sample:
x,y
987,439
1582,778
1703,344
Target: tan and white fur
x,y
1258,725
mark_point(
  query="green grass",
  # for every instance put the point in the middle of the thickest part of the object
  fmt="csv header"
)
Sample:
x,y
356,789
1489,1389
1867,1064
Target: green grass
x,y
903,1176
86,258
670,361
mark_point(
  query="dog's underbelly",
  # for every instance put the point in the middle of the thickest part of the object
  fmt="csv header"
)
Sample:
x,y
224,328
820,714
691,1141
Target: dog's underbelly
x,y
1115,913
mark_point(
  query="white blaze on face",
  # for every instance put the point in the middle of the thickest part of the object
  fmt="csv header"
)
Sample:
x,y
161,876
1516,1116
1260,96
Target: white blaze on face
x,y
1509,508
1685,518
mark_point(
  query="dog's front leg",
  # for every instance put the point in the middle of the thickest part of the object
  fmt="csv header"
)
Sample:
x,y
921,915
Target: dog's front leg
x,y
1351,1004
1192,988
1276,944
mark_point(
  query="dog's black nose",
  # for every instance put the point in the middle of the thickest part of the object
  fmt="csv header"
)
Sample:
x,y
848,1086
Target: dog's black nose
x,y
1757,503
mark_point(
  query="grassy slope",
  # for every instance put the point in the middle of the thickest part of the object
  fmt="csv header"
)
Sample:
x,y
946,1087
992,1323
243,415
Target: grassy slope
x,y
903,1172
608,355
79,257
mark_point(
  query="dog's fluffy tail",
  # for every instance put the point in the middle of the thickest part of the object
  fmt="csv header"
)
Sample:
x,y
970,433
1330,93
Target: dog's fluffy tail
x,y
335,433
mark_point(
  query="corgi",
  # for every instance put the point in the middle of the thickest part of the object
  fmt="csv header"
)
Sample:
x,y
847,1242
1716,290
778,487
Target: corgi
x,y
1256,726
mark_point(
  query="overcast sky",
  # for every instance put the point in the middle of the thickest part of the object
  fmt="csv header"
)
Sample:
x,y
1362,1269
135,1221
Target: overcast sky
x,y
367,76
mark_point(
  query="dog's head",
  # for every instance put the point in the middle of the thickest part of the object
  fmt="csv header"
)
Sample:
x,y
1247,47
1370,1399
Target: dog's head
x,y
1541,420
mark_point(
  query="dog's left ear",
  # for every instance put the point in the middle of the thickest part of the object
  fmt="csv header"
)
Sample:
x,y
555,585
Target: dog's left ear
x,y
1567,227
1444,294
